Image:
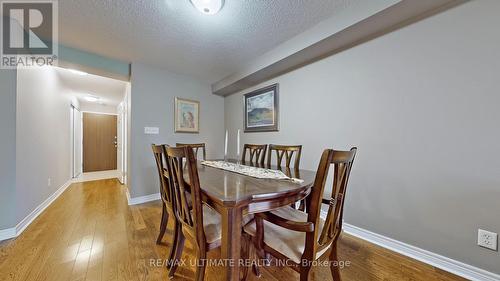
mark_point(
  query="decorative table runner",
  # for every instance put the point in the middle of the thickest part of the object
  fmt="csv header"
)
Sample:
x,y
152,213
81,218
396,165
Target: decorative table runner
x,y
255,172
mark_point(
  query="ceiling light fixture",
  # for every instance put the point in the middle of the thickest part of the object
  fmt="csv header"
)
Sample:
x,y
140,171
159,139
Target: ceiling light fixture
x,y
208,7
74,71
91,98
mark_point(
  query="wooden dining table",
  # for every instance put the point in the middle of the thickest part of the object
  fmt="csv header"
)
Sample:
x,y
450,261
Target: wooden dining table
x,y
235,195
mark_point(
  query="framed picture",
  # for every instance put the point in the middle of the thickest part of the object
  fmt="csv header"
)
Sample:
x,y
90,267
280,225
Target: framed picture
x,y
261,110
187,116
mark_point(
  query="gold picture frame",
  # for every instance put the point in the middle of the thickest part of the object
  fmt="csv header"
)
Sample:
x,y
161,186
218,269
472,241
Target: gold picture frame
x,y
186,116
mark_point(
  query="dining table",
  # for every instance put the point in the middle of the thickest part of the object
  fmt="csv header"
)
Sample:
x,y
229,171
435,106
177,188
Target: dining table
x,y
235,195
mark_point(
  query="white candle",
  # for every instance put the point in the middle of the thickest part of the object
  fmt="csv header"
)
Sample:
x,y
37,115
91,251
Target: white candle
x,y
238,148
225,147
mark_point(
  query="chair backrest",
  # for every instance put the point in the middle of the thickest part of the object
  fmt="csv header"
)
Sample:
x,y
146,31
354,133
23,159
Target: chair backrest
x,y
342,163
196,147
160,155
257,153
189,215
285,150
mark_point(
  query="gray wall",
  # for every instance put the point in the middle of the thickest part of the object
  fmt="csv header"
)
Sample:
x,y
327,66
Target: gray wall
x,y
42,137
152,105
422,105
7,147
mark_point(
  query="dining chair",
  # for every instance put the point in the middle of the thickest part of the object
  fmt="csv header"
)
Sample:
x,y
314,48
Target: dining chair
x,y
256,153
303,237
159,152
198,222
284,150
288,152
196,147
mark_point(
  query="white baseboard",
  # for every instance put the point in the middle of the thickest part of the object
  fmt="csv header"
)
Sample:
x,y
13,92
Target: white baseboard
x,y
8,233
442,262
20,227
142,199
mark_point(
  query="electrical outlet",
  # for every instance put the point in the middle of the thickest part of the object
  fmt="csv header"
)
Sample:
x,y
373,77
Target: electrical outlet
x,y
49,182
487,239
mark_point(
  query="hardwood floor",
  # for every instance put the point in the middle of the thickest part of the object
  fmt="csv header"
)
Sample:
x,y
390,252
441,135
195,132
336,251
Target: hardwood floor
x,y
90,233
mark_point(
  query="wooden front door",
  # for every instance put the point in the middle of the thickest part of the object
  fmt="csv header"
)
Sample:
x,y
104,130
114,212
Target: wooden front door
x,y
99,142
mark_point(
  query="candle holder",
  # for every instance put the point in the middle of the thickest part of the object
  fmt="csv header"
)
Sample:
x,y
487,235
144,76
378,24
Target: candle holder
x,y
238,148
225,147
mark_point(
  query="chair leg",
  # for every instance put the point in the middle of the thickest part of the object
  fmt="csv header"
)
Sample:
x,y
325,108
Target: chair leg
x,y
253,254
334,263
304,273
178,253
201,263
258,239
245,254
173,248
163,224
261,254
256,270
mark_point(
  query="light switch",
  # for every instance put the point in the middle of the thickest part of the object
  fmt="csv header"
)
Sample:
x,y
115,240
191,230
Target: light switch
x,y
151,130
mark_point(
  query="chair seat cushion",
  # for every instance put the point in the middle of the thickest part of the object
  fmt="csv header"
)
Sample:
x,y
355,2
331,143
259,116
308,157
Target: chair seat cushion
x,y
212,223
289,243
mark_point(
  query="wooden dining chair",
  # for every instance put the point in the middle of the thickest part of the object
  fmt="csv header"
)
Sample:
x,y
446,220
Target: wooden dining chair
x,y
288,152
256,153
160,155
199,223
196,147
303,237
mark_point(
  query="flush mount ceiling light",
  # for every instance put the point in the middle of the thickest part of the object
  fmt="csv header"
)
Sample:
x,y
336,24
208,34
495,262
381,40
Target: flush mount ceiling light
x,y
208,7
78,72
91,98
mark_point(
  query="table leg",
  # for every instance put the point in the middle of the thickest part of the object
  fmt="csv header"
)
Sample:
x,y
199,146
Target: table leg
x,y
231,242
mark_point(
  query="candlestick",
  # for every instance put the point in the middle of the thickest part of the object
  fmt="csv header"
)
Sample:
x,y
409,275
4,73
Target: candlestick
x,y
238,146
225,148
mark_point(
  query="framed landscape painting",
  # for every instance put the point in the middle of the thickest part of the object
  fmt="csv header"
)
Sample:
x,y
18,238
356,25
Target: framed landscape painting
x,y
261,110
187,116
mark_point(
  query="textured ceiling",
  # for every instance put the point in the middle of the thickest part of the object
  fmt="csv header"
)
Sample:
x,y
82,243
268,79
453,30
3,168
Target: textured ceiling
x,y
110,91
172,34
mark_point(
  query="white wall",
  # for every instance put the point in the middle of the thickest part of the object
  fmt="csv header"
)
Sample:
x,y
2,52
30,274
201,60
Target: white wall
x,y
77,140
152,104
422,105
43,138
7,148
97,108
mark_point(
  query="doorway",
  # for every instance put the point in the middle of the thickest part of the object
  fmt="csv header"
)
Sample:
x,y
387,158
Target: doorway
x,y
99,125
76,136
100,142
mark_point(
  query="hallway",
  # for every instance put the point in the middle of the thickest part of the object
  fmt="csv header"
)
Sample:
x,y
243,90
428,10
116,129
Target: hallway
x,y
90,233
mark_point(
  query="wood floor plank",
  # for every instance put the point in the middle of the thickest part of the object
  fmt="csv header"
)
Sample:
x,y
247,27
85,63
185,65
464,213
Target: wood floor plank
x,y
90,233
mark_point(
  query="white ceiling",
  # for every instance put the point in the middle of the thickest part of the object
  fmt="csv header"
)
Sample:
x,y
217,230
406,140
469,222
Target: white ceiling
x,y
110,91
172,34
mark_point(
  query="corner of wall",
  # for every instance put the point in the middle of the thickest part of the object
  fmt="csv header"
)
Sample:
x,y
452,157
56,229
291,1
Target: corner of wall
x,y
8,80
